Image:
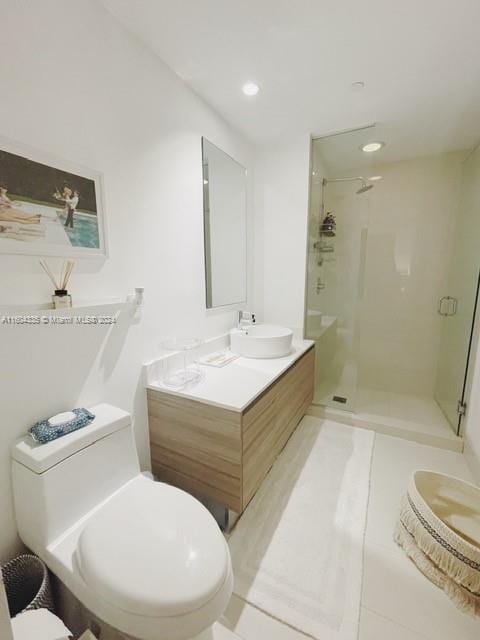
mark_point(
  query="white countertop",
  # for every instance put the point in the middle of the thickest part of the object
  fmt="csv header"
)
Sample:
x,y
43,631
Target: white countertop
x,y
237,384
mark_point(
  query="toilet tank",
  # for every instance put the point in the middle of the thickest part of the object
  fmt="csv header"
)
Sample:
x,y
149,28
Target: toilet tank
x,y
58,483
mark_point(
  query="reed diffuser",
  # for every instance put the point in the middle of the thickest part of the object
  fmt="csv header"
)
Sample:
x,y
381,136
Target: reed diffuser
x,y
61,298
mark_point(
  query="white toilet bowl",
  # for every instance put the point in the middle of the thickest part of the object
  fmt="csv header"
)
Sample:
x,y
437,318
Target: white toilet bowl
x,y
145,557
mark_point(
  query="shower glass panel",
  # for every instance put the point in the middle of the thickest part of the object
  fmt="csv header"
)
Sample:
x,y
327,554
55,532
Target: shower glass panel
x,y
457,307
337,240
392,279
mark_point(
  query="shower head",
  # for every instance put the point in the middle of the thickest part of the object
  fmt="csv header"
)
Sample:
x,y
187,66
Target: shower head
x,y
365,187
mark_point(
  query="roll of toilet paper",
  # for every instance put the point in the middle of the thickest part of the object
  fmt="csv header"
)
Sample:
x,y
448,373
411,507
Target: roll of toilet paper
x,y
39,624
6,632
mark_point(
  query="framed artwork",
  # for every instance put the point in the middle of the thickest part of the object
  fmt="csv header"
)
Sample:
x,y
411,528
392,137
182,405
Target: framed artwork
x,y
48,206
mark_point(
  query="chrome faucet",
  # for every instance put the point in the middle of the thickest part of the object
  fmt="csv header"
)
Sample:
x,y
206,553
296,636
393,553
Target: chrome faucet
x,y
245,319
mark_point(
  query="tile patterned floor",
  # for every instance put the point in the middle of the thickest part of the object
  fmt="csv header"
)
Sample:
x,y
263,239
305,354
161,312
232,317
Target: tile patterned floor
x,y
398,603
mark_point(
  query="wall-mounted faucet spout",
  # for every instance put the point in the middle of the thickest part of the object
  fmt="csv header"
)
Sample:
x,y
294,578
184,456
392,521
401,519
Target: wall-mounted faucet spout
x,y
245,319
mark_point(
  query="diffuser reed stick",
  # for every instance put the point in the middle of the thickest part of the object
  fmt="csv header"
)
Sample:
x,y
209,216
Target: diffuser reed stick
x,y
61,298
68,268
46,268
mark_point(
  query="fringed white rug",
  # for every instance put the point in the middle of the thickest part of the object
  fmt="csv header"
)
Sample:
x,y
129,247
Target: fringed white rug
x,y
297,551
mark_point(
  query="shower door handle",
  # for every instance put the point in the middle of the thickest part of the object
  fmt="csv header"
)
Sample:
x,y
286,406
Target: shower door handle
x,y
440,306
447,306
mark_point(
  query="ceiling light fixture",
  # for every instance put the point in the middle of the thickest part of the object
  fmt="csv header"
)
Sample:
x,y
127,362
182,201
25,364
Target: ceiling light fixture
x,y
370,147
357,86
250,89
372,178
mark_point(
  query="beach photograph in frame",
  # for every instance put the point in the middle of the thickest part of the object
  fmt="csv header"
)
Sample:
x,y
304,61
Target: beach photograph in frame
x,y
49,207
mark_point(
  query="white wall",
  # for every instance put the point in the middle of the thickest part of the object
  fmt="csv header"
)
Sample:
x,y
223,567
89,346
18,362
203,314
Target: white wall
x,y
281,178
77,85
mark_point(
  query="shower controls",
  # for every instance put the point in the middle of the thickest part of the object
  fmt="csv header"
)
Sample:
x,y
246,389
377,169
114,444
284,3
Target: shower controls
x,y
320,285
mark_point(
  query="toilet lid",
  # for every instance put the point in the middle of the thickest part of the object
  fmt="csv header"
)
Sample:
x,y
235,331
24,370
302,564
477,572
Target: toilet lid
x,y
153,550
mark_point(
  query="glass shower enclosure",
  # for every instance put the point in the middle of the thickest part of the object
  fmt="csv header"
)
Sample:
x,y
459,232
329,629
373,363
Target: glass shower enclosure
x,y
459,304
392,279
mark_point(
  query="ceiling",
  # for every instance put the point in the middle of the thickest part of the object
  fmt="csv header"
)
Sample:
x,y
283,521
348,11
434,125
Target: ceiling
x,y
341,154
419,60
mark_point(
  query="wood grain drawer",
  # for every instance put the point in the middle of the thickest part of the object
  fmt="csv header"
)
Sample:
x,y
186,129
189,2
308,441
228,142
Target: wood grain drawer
x,y
196,446
222,454
270,422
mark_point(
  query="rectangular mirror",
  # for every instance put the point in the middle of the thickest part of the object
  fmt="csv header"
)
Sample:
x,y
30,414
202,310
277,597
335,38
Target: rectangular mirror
x,y
225,227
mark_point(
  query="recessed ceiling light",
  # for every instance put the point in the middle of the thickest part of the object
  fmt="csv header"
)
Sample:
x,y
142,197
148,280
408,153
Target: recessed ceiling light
x,y
250,89
357,86
375,178
370,147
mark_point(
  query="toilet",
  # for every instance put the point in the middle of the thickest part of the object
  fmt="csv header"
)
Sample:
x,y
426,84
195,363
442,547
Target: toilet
x,y
145,557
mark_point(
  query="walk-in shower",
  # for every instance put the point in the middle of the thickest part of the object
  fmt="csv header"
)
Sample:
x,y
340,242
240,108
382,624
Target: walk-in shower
x,y
377,267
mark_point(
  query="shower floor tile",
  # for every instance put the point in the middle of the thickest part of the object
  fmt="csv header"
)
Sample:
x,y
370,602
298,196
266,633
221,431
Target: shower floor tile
x,y
408,416
404,410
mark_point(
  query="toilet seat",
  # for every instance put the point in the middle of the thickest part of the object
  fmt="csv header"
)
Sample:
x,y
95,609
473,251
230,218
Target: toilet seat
x,y
153,550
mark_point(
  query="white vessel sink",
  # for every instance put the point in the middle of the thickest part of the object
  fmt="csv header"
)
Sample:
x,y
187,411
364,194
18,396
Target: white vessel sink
x,y
261,341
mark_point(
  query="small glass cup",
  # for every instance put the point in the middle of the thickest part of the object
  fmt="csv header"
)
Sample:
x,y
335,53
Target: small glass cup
x,y
190,373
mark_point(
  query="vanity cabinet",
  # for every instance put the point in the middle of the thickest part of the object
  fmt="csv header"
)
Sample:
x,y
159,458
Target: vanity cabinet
x,y
224,454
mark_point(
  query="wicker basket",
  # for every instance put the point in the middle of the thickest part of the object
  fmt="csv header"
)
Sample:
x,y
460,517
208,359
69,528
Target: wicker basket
x,y
27,584
439,530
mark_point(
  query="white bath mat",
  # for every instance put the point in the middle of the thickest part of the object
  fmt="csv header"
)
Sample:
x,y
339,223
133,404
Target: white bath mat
x,y
297,551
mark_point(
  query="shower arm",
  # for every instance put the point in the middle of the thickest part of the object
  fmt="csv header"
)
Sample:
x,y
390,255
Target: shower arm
x,y
363,188
327,180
